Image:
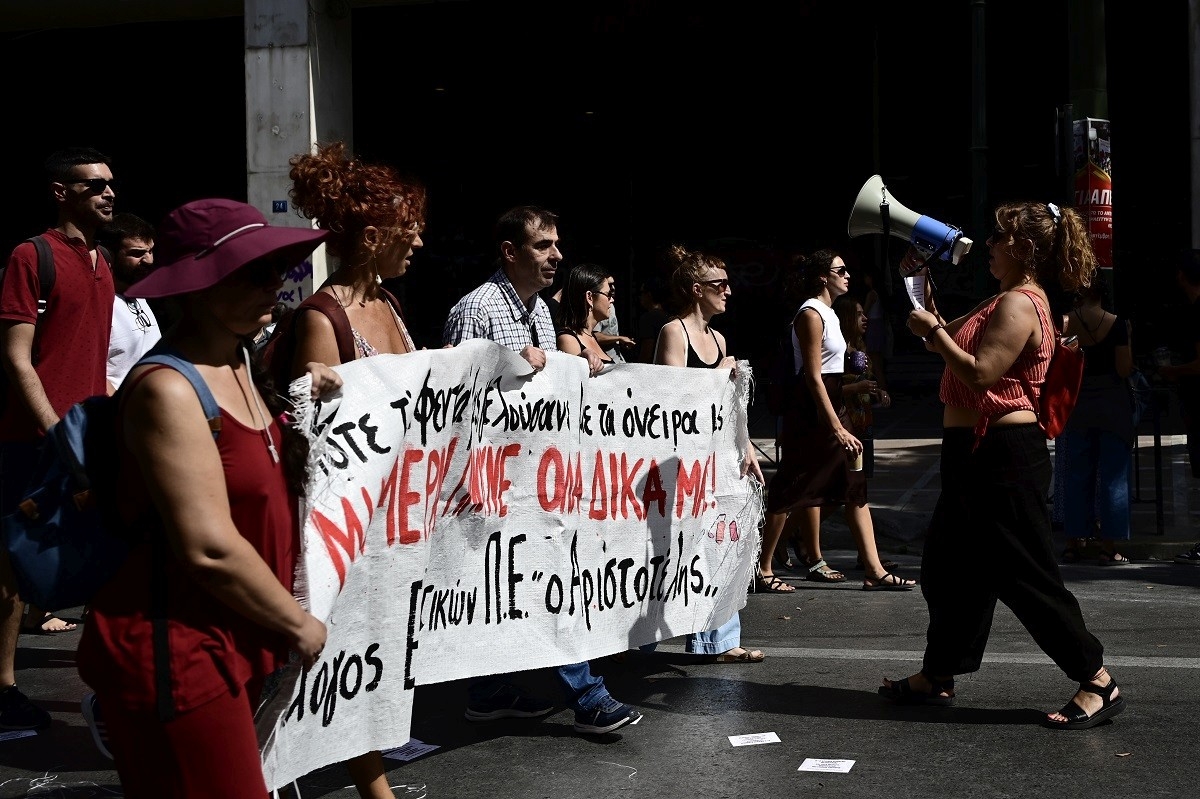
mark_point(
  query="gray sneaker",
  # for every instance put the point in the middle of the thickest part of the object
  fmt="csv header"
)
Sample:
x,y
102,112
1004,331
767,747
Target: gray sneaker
x,y
90,706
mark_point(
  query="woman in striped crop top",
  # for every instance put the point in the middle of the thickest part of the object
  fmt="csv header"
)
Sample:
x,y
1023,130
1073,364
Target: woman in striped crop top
x,y
990,538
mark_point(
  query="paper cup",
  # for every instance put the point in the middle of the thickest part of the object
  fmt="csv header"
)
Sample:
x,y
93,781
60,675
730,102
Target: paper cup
x,y
856,463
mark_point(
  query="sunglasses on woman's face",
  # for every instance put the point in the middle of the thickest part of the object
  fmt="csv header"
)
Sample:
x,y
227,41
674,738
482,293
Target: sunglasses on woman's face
x,y
840,271
263,273
719,285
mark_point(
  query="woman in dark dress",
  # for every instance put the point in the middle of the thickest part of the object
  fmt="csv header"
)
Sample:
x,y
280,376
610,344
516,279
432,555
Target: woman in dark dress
x,y
816,472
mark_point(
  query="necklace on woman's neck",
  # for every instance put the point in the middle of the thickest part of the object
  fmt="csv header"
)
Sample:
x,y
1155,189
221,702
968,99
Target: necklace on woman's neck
x,y
1093,328
255,405
346,302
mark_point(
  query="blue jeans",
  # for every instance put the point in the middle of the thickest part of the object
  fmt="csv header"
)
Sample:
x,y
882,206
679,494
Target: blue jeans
x,y
1096,484
710,642
714,642
583,690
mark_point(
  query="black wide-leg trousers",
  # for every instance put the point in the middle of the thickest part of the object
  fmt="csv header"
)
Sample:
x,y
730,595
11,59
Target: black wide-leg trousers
x,y
990,540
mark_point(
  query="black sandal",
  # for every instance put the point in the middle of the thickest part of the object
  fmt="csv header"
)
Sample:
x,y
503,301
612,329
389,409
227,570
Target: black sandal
x,y
771,584
901,692
1077,717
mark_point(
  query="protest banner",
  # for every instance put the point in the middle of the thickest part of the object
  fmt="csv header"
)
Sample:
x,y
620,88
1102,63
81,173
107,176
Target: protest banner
x,y
468,516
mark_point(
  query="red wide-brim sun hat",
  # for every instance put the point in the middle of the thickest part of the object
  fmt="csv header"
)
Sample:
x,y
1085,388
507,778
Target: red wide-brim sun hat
x,y
203,242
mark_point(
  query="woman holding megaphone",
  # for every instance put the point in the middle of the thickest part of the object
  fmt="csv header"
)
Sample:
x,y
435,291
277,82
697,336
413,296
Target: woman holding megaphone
x,y
990,536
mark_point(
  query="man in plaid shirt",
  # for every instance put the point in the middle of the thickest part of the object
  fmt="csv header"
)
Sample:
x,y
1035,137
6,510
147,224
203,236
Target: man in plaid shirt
x,y
507,310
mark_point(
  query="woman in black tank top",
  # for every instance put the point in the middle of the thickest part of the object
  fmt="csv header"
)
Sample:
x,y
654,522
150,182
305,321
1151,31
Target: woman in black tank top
x,y
701,286
587,300
687,339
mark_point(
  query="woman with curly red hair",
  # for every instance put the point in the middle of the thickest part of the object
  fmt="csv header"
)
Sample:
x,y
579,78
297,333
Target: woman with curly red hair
x,y
374,218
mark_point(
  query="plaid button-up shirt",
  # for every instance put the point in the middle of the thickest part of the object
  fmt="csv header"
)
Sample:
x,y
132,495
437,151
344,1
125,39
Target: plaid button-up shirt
x,y
495,312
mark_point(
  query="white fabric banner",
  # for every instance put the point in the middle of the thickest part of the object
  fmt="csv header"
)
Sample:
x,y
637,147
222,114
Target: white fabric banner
x,y
466,516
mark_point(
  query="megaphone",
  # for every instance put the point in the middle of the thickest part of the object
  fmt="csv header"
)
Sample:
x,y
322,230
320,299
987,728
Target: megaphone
x,y
873,212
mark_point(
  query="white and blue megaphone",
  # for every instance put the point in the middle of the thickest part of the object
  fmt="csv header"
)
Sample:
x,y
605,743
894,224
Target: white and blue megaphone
x,y
873,212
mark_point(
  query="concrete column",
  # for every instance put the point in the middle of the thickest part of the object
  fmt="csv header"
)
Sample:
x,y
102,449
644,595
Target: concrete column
x,y
298,93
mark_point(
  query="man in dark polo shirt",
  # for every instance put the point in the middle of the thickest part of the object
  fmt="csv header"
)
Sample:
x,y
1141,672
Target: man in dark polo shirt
x,y
49,372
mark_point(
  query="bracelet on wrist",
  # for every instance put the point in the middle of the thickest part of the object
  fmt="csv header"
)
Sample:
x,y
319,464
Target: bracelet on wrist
x,y
932,330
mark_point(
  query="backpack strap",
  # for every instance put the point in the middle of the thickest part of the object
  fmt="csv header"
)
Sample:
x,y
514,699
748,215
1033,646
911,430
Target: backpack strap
x,y
46,269
395,303
336,314
159,582
168,358
107,253
46,273
1043,323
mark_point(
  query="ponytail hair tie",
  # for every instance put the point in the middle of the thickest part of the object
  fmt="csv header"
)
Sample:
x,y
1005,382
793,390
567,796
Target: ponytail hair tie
x,y
1055,212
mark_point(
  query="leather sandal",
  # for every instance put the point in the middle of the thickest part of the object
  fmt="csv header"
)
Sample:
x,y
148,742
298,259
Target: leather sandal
x,y
820,572
771,584
1077,717
889,582
901,692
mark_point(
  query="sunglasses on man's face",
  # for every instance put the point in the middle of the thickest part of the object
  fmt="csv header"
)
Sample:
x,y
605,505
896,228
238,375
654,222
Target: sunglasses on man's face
x,y
94,185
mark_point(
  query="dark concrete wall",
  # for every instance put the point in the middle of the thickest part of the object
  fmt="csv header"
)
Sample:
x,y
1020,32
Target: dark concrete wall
x,y
745,127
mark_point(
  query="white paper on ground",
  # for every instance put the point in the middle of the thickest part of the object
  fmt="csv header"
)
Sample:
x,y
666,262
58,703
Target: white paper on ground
x,y
754,738
915,288
832,766
410,751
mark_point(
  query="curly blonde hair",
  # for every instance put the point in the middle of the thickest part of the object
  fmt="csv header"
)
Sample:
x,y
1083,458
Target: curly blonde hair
x,y
688,267
345,196
1050,242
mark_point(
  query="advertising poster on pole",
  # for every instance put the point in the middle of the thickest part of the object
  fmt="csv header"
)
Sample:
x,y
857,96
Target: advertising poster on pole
x,y
1093,183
